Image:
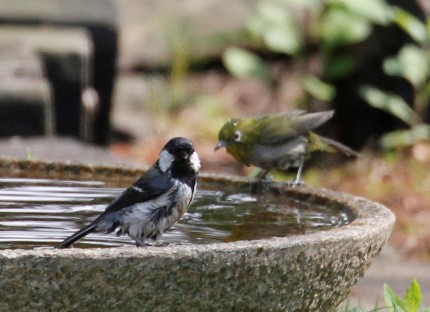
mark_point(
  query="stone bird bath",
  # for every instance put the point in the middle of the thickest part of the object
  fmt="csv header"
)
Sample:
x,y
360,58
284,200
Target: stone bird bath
x,y
312,272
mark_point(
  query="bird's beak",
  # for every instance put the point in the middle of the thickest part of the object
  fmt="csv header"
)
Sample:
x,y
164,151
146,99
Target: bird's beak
x,y
220,144
185,155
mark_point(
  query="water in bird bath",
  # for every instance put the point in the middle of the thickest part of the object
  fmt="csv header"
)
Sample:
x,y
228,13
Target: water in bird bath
x,y
38,213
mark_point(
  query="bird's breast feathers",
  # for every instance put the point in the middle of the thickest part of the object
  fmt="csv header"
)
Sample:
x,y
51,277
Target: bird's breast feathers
x,y
155,216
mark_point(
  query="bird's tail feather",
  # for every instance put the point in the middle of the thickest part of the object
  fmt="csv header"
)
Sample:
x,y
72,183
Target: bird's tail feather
x,y
329,145
79,234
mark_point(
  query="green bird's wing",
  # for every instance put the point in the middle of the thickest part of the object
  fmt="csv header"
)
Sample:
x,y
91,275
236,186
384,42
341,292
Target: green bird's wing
x,y
283,127
320,143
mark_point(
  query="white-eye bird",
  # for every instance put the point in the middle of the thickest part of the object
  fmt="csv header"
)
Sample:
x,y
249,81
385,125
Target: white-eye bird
x,y
278,141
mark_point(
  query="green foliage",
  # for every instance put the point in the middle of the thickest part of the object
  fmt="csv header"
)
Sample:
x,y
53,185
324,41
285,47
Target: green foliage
x,y
319,89
388,102
346,22
276,26
411,301
407,137
279,26
412,26
413,64
341,27
244,64
412,298
376,11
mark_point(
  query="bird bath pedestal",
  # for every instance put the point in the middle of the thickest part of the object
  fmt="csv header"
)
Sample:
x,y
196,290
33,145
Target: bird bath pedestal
x,y
312,272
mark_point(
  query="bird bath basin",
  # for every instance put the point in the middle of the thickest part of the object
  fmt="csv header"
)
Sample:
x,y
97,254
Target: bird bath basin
x,y
311,272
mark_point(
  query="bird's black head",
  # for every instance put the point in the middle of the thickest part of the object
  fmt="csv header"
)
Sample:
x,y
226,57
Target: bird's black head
x,y
180,152
179,147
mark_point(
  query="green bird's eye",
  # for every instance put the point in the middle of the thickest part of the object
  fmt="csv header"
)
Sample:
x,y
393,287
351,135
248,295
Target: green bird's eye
x,y
237,136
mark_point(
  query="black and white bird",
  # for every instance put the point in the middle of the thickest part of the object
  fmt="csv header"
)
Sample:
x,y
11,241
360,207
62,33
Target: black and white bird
x,y
153,203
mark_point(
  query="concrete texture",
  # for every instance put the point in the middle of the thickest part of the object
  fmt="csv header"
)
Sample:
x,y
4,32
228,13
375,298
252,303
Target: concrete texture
x,y
57,149
311,272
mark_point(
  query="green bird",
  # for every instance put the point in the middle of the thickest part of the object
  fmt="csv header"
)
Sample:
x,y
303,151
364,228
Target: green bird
x,y
278,141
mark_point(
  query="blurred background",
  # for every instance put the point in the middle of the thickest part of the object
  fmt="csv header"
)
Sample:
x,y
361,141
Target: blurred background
x,y
112,81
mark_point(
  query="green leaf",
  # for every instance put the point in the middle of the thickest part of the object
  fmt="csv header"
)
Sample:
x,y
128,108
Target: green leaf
x,y
401,138
244,64
388,102
286,39
340,27
393,302
415,63
392,66
278,28
377,11
267,15
319,89
412,63
411,25
412,297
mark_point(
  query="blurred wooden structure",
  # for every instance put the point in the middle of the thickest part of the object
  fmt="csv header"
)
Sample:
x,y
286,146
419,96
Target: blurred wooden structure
x,y
76,42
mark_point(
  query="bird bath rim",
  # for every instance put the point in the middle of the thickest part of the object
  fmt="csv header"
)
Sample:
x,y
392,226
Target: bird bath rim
x,y
125,175
363,213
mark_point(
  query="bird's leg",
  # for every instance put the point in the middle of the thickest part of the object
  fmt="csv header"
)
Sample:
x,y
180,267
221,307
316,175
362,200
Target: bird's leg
x,y
258,175
260,181
297,180
263,176
141,243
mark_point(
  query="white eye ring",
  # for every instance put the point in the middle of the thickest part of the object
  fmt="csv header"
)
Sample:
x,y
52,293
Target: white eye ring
x,y
237,136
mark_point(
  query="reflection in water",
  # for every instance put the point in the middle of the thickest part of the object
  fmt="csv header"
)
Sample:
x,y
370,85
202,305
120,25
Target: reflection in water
x,y
41,213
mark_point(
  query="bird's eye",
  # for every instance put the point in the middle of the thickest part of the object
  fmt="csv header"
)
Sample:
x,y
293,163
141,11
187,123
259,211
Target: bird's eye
x,y
237,136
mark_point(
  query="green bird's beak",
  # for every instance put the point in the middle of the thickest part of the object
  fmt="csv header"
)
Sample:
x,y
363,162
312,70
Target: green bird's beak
x,y
220,144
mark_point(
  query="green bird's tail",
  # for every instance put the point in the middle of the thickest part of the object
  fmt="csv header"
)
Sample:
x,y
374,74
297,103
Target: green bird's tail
x,y
320,143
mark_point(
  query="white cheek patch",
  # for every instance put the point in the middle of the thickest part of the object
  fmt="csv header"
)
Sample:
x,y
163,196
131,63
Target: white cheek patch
x,y
165,160
195,161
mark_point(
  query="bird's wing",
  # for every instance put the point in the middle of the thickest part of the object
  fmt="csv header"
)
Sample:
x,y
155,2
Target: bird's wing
x,y
286,126
151,185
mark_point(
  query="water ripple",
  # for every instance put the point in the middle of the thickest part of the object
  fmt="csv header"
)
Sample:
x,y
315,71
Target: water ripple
x,y
39,213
